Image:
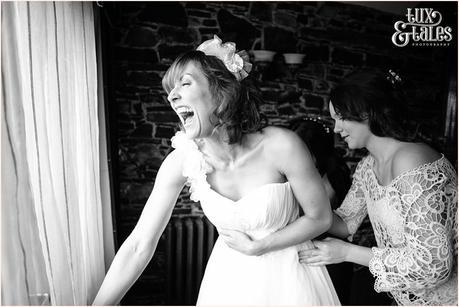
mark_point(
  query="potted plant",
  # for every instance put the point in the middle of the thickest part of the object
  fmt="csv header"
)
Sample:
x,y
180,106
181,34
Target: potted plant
x,y
261,55
294,58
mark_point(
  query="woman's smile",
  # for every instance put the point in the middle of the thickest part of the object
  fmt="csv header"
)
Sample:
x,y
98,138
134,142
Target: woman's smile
x,y
193,103
185,114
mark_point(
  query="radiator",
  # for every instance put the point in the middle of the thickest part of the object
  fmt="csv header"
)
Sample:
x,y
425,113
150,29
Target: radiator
x,y
189,242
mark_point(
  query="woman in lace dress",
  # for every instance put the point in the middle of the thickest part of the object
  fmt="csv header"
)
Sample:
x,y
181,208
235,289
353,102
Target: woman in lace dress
x,y
408,190
249,187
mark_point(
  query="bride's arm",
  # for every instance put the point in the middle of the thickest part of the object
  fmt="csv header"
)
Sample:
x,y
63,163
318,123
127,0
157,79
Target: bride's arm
x,y
292,158
137,250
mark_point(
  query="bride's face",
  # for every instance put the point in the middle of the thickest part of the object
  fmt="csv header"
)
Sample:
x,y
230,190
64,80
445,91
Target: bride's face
x,y
192,100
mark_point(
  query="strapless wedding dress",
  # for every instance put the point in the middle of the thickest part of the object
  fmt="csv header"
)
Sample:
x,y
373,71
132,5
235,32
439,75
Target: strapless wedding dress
x,y
233,278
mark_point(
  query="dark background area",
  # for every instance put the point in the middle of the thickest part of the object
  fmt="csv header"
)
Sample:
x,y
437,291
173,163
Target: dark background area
x,y
141,39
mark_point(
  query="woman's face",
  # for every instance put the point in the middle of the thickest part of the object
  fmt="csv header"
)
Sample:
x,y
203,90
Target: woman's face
x,y
354,133
192,100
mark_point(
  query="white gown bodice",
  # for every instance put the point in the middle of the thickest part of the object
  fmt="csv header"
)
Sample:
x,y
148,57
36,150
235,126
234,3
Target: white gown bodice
x,y
232,278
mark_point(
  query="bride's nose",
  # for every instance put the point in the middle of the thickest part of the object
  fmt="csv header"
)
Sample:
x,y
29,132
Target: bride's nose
x,y
173,95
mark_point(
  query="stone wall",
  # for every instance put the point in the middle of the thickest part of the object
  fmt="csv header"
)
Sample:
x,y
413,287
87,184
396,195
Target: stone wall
x,y
143,38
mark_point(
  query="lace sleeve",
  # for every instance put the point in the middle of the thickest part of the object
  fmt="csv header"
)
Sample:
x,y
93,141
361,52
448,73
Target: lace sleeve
x,y
428,198
353,209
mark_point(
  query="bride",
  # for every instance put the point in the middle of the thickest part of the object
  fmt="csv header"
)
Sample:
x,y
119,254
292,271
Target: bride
x,y
251,183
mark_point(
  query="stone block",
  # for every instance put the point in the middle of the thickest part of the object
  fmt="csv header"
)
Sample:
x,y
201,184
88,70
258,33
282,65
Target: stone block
x,y
313,101
270,95
262,11
171,52
173,35
137,108
171,13
347,57
164,132
316,70
336,23
237,4
162,117
136,54
123,106
142,78
322,86
383,61
285,19
209,23
279,39
199,13
141,37
209,31
316,52
296,7
153,98
159,108
143,131
330,9
302,19
135,192
285,110
128,171
290,96
236,29
197,5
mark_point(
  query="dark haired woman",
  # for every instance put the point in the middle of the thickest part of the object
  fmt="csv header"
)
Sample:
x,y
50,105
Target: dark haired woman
x,y
408,190
336,178
249,187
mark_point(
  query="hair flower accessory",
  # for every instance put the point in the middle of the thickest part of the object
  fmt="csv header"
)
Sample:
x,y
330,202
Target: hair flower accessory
x,y
237,63
393,77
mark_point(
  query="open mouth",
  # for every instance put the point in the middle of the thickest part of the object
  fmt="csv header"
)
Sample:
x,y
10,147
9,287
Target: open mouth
x,y
186,114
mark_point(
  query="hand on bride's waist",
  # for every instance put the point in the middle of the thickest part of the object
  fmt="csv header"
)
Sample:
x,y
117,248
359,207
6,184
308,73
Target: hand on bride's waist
x,y
324,252
242,242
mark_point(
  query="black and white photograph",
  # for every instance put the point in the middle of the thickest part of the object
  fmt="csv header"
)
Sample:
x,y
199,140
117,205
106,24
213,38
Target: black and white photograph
x,y
229,153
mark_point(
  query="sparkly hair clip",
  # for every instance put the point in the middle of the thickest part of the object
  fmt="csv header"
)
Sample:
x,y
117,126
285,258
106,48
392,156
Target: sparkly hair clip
x,y
237,63
393,78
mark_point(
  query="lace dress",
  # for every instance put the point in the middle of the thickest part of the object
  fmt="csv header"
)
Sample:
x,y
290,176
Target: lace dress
x,y
233,278
414,219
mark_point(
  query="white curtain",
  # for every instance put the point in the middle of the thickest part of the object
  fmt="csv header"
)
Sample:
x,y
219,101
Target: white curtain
x,y
52,213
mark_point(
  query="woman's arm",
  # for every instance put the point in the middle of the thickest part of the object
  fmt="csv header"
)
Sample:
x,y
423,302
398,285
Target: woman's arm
x,y
292,158
338,227
331,250
348,217
137,250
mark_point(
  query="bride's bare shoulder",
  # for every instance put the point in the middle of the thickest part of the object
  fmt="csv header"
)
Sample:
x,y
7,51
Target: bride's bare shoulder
x,y
281,140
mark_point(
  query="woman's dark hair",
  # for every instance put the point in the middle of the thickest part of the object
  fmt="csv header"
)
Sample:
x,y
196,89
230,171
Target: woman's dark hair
x,y
369,94
320,141
237,102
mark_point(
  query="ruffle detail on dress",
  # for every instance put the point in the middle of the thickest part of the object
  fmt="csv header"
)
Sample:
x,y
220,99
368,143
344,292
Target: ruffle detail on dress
x,y
195,167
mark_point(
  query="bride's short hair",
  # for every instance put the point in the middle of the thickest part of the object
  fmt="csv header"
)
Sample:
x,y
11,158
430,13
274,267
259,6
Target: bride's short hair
x,y
237,101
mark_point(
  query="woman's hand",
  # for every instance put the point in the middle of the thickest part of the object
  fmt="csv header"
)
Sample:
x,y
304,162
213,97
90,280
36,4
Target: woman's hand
x,y
240,241
326,251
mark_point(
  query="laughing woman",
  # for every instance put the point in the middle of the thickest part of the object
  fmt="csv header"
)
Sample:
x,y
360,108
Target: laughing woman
x,y
249,187
408,190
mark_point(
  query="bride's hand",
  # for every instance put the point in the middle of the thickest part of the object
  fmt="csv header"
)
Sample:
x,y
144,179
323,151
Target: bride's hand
x,y
240,241
326,251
